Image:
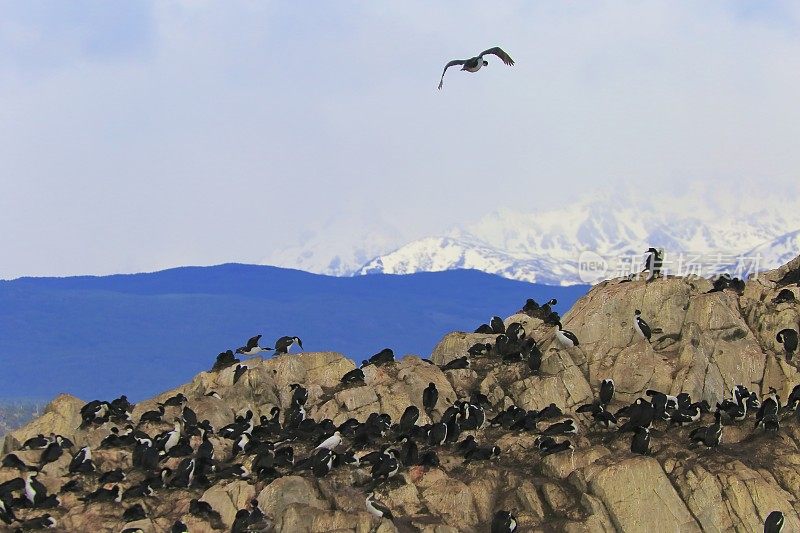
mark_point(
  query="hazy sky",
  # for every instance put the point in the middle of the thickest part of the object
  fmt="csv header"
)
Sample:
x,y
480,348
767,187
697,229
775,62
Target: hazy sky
x,y
140,135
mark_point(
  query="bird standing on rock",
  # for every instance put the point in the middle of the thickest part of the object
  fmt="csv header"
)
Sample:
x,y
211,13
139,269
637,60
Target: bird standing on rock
x,y
641,327
774,522
567,339
283,344
653,262
710,436
503,522
788,337
430,396
238,372
474,64
606,391
331,442
376,508
641,441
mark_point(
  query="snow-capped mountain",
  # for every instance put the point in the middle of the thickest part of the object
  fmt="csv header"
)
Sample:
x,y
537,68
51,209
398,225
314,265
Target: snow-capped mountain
x,y
778,251
555,246
340,247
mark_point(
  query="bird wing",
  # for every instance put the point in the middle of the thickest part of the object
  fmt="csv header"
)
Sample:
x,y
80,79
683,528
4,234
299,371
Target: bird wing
x,y
447,66
499,53
253,342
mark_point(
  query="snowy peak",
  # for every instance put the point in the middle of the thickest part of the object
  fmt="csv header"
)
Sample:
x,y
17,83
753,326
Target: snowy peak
x,y
548,247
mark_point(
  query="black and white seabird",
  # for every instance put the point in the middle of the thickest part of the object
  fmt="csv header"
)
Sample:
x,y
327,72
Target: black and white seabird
x,y
203,509
640,414
785,295
114,494
252,347
503,522
458,363
788,337
112,476
567,339
743,400
12,460
467,445
604,418
299,394
641,441
224,360
774,522
484,329
6,512
238,372
82,462
549,412
138,491
479,348
40,522
709,436
258,520
641,327
409,451
184,473
381,358
606,391
653,262
179,527
283,344
39,442
767,416
437,434
474,64
556,447
153,416
497,325
322,462
515,331
241,522
688,414
134,513
566,426
178,400
53,451
35,492
94,412
376,508
354,376
534,357
408,420
482,454
662,403
793,401
169,439
386,467
430,396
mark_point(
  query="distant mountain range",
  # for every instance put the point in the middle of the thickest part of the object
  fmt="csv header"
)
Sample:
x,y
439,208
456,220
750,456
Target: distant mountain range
x,y
98,337
545,247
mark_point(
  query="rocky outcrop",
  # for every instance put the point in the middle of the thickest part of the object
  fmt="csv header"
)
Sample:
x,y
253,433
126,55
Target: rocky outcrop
x,y
61,416
704,343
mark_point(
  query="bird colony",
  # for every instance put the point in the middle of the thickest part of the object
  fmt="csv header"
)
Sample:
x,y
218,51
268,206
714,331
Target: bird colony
x,y
454,426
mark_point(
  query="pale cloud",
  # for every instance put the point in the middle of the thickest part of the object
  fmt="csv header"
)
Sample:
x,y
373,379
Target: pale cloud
x,y
203,132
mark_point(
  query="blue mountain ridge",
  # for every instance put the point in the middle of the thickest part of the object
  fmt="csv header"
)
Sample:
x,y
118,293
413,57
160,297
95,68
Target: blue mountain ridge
x,y
140,334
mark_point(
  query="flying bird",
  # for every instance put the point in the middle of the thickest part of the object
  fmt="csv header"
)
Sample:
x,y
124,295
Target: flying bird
x,y
252,347
474,64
